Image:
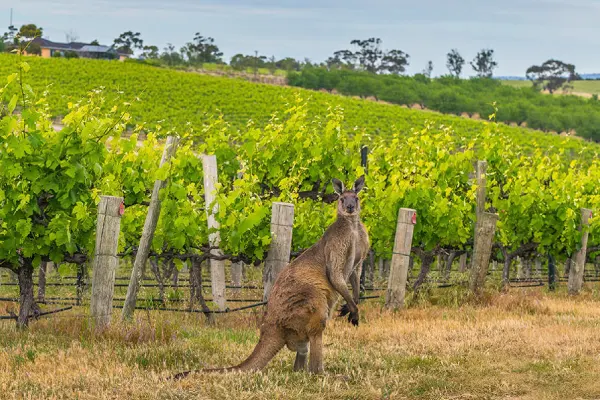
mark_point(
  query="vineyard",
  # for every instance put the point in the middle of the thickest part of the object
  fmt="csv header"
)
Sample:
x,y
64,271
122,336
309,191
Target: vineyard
x,y
175,100
271,145
520,106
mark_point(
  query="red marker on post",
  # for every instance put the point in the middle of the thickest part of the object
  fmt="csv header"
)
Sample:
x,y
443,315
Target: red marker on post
x,y
414,218
122,209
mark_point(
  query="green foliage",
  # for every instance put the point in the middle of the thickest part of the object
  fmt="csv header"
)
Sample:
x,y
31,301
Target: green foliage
x,y
176,100
49,180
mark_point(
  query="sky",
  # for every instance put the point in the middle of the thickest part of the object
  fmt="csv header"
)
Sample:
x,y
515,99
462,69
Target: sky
x,y
521,32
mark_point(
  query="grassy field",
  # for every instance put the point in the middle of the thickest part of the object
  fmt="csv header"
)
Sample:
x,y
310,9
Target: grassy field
x,y
526,344
586,87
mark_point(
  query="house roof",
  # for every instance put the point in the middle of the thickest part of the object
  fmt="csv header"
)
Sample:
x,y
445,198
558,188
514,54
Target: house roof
x,y
73,46
88,48
51,45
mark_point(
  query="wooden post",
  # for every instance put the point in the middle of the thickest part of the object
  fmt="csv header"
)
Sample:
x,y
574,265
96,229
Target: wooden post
x,y
462,262
527,263
105,259
394,298
387,265
481,183
551,273
519,268
42,281
282,222
217,267
567,267
236,275
578,265
538,266
147,234
480,176
484,240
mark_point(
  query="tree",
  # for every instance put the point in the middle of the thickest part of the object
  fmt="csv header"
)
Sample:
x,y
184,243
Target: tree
x,y
455,62
272,65
551,75
71,36
241,62
202,50
9,36
369,57
429,69
95,42
170,56
369,54
394,62
128,41
341,59
288,64
150,52
30,31
484,63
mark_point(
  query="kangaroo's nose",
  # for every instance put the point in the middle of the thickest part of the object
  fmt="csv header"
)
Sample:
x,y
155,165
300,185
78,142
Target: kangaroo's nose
x,y
350,209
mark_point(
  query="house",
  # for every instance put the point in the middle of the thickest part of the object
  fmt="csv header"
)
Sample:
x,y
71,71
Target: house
x,y
55,49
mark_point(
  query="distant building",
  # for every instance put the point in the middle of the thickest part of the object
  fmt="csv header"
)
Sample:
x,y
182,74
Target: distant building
x,y
83,50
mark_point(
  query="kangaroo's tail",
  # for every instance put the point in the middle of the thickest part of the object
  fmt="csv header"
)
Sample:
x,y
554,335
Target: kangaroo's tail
x,y
270,342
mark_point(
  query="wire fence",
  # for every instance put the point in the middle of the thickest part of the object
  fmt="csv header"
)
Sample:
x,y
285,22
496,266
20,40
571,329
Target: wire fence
x,y
439,278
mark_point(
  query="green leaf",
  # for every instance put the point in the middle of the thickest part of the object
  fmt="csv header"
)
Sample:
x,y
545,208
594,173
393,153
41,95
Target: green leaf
x,y
12,104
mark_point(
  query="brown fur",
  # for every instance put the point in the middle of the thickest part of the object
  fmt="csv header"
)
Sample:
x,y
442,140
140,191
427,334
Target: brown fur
x,y
306,290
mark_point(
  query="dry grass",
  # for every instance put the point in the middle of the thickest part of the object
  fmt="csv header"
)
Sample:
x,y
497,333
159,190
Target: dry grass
x,y
524,344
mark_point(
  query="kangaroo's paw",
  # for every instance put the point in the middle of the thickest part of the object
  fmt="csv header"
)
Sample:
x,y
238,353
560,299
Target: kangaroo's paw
x,y
353,318
344,310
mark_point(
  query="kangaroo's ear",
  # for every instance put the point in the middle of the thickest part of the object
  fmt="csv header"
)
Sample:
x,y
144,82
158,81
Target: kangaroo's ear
x,y
359,184
338,186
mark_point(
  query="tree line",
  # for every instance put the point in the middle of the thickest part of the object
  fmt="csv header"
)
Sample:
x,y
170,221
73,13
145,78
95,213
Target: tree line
x,y
364,55
451,95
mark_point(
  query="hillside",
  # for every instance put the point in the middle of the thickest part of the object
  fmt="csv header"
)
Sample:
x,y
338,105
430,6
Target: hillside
x,y
521,106
179,100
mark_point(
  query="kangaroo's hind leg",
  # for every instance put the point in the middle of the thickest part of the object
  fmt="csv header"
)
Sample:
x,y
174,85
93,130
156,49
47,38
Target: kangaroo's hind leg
x,y
316,353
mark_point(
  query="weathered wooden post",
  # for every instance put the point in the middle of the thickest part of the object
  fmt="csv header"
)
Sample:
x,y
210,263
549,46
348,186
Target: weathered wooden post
x,y
396,291
568,263
551,273
217,267
480,176
147,234
481,183
236,276
105,260
538,266
282,223
42,281
578,265
484,239
462,262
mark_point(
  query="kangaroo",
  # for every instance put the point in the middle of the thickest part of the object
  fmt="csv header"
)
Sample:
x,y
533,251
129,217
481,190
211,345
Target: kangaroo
x,y
307,288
